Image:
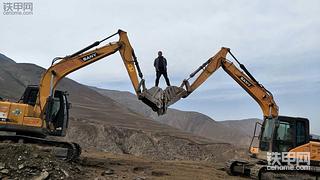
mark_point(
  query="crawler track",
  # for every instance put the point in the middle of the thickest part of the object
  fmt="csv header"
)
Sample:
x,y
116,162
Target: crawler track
x,y
67,151
258,170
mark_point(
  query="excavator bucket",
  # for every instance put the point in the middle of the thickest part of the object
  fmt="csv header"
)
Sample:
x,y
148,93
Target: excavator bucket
x,y
153,98
159,100
172,94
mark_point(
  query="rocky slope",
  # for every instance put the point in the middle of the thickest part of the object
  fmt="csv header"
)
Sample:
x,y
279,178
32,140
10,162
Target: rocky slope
x,y
28,162
237,132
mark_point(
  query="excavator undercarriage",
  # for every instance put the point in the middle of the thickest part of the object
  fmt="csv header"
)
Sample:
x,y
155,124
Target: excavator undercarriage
x,y
258,169
67,151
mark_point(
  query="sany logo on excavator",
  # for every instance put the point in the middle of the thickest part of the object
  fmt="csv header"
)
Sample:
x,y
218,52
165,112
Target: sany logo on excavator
x,y
247,82
90,56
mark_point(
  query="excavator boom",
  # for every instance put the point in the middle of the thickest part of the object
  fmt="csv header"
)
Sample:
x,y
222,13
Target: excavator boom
x,y
78,60
262,96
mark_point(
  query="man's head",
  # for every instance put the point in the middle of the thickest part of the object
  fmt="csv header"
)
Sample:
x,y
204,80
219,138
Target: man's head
x,y
159,53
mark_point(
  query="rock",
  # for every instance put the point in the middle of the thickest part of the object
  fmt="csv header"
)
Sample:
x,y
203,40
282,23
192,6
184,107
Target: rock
x,y
4,171
45,166
35,155
2,165
159,173
78,168
21,166
107,172
65,173
12,167
140,178
44,175
19,158
99,178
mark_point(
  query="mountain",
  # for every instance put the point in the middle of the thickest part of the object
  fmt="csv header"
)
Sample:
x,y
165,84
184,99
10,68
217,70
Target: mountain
x,y
5,59
245,126
235,132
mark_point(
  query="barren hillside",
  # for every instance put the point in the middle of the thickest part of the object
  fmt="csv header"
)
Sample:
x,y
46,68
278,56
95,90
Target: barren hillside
x,y
237,132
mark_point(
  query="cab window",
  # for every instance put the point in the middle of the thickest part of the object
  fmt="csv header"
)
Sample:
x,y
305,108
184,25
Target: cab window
x,y
301,133
284,137
284,132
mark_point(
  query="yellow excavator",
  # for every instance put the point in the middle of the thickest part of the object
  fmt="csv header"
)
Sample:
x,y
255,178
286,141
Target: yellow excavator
x,y
277,133
44,111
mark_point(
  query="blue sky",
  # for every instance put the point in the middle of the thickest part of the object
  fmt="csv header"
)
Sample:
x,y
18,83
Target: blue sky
x,y
278,41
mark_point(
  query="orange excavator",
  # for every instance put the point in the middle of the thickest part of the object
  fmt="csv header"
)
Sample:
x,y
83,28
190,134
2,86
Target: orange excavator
x,y
44,111
277,133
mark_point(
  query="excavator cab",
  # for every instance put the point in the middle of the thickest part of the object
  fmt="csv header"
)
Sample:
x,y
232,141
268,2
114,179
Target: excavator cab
x,y
282,134
57,111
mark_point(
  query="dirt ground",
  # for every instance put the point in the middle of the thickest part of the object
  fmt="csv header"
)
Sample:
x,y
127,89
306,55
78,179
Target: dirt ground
x,y
20,161
100,165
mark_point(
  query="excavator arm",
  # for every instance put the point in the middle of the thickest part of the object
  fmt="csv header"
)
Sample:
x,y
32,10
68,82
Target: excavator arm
x,y
82,58
260,94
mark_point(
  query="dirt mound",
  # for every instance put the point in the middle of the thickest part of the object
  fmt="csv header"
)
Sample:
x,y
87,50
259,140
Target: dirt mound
x,y
157,146
19,161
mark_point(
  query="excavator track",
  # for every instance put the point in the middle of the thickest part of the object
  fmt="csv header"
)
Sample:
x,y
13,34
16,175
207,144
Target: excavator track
x,y
68,151
257,170
289,175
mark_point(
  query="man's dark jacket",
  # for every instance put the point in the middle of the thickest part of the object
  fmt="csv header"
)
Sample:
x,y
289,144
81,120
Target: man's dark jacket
x,y
157,64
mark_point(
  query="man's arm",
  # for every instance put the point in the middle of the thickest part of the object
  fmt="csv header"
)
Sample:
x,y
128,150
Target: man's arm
x,y
156,64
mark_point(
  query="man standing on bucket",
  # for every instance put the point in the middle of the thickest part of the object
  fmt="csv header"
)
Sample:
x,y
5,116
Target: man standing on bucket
x,y
160,63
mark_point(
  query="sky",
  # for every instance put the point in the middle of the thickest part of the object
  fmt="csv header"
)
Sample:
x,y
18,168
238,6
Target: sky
x,y
277,40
